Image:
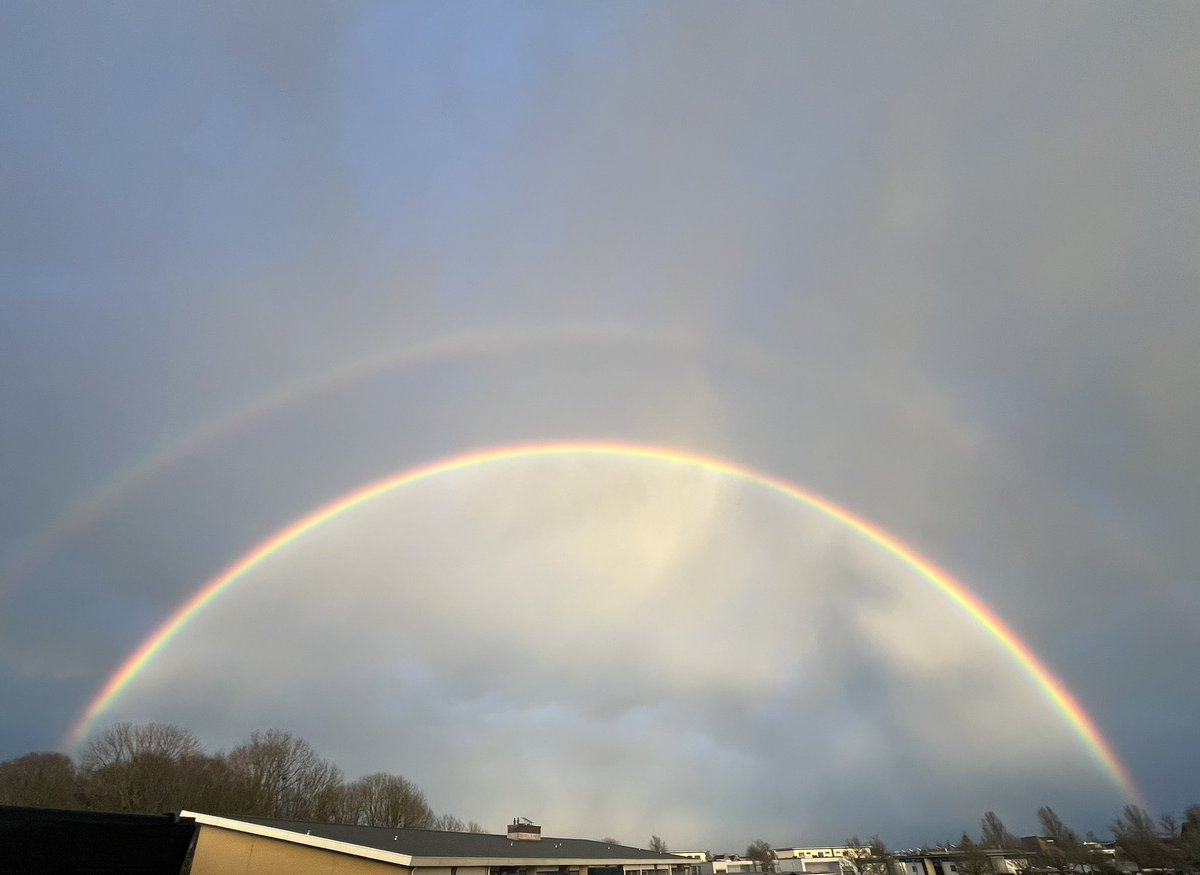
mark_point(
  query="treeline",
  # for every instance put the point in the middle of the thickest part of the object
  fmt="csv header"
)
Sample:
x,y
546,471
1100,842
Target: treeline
x,y
1167,845
154,767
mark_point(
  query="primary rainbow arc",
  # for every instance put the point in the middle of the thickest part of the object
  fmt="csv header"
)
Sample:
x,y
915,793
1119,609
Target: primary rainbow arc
x,y
1053,688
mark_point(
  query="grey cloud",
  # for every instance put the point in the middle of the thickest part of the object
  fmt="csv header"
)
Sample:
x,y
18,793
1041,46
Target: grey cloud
x,y
938,268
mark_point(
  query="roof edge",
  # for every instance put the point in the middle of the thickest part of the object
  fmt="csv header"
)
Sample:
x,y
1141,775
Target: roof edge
x,y
298,838
548,862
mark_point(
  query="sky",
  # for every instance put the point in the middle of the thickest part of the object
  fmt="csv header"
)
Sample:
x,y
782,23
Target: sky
x,y
933,263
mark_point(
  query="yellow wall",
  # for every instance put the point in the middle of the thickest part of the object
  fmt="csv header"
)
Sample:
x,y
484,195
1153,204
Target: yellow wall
x,y
227,852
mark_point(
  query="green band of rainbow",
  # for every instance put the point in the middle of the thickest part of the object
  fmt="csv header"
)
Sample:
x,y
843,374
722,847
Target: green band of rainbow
x,y
1054,689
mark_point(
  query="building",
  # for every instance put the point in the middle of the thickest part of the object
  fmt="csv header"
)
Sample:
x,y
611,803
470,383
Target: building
x,y
949,862
728,864
227,845
823,860
48,840
1082,857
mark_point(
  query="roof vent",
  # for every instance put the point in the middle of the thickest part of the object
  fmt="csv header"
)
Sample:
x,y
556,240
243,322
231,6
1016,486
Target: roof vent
x,y
525,830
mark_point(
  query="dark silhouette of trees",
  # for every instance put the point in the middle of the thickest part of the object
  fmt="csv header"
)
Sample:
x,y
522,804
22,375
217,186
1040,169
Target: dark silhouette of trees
x,y
972,860
277,774
450,823
157,767
1061,848
137,767
760,852
382,799
1137,836
995,834
873,858
1187,855
45,780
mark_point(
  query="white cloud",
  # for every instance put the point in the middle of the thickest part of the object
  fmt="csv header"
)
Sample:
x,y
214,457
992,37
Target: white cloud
x,y
533,624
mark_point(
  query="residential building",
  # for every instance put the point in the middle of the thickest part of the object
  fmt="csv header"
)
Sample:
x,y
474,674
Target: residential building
x,y
728,864
228,845
949,862
826,860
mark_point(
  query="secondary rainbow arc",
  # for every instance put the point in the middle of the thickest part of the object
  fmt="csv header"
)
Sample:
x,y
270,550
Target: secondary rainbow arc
x,y
1049,684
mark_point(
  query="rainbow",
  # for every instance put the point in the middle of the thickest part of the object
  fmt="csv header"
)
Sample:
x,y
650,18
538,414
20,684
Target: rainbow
x,y
19,565
1053,688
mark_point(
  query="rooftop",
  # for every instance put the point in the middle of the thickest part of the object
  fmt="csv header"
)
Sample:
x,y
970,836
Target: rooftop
x,y
428,843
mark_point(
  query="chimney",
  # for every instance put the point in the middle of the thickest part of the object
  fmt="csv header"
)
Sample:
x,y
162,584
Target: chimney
x,y
523,829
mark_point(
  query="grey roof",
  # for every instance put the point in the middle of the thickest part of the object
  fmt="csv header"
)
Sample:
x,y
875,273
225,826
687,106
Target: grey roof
x,y
437,843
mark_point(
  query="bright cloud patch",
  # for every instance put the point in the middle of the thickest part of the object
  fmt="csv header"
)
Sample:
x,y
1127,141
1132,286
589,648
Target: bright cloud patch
x,y
505,634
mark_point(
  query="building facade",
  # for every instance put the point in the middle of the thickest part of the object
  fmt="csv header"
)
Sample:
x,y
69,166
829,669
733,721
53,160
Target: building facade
x,y
228,845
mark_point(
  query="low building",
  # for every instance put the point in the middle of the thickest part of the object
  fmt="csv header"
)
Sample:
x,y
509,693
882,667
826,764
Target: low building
x,y
53,841
818,860
729,864
949,862
1086,857
227,845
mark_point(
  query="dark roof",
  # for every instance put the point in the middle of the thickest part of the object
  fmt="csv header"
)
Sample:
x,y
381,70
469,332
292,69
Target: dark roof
x,y
436,843
36,840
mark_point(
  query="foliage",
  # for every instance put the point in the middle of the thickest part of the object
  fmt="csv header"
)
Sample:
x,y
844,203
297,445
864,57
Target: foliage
x,y
46,780
156,767
1137,836
450,823
1061,849
760,852
276,774
995,834
382,799
972,860
872,858
1188,848
138,767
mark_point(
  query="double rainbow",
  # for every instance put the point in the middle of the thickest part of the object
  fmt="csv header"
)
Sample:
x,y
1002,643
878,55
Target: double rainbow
x,y
1053,688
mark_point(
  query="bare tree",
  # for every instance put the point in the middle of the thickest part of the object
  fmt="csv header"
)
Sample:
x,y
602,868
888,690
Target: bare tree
x,y
1137,836
45,780
123,742
137,767
208,784
760,852
1187,853
383,799
873,858
1063,850
995,834
277,774
452,823
448,823
658,845
971,858
1168,827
